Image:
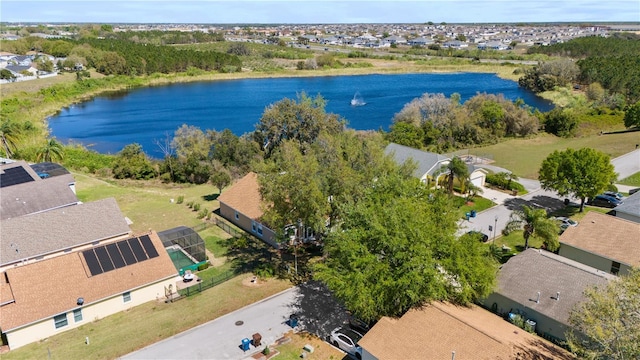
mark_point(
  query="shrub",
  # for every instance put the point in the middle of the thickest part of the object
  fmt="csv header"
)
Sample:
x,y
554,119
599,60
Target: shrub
x,y
203,213
203,266
180,199
196,207
190,204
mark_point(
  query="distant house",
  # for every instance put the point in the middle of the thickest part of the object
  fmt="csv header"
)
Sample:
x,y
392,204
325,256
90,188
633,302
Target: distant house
x,y
397,40
446,331
605,242
492,45
242,205
455,44
543,287
24,191
630,208
45,297
420,41
429,164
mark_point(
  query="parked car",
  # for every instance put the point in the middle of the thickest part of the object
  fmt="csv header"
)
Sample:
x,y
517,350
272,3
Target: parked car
x,y
614,194
359,326
565,223
347,340
633,191
480,235
605,201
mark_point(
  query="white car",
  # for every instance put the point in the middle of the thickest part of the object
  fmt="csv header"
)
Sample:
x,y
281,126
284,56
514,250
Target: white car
x,y
565,222
347,340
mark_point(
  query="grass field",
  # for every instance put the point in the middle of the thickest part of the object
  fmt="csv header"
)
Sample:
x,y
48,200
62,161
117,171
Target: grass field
x,y
633,180
524,156
322,350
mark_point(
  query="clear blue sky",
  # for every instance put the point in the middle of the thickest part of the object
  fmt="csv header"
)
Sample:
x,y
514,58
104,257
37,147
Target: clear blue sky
x,y
328,11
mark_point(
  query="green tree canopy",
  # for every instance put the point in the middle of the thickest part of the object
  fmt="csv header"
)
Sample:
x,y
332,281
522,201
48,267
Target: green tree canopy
x,y
395,249
632,116
50,151
455,169
535,224
609,320
132,163
583,173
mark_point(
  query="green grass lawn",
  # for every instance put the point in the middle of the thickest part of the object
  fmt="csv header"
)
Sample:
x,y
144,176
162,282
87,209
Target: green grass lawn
x,y
478,204
524,156
633,180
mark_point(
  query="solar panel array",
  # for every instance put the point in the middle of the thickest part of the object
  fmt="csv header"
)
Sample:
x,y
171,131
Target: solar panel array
x,y
14,176
120,254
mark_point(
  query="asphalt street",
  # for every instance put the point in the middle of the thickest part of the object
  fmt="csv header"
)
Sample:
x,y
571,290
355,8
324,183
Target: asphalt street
x,y
317,310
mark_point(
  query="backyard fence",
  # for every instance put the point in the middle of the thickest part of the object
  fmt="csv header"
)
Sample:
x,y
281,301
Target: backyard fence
x,y
227,227
205,284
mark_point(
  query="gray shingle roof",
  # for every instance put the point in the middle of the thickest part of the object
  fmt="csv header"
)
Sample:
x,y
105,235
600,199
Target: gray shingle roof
x,y
534,270
35,196
631,205
60,229
427,162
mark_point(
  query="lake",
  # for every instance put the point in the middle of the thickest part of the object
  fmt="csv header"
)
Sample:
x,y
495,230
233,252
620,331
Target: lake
x,y
108,123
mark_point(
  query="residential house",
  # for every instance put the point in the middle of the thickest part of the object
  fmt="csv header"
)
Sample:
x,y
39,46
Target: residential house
x,y
492,45
24,191
242,205
605,242
455,44
446,331
397,40
429,164
420,41
543,288
46,297
630,208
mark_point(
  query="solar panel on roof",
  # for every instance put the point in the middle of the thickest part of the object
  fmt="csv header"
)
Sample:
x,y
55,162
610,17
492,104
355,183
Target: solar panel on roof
x,y
137,249
148,246
14,176
115,255
127,254
92,262
103,257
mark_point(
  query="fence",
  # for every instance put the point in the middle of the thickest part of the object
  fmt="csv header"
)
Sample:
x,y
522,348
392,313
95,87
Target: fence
x,y
206,284
227,227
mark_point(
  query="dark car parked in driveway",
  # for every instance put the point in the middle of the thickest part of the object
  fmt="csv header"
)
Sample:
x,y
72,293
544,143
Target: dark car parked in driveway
x,y
481,236
605,201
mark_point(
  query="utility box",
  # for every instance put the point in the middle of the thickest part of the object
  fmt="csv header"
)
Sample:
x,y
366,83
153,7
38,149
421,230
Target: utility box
x,y
245,344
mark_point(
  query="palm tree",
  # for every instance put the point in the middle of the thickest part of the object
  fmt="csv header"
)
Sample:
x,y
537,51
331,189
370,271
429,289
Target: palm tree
x,y
52,150
536,224
456,168
10,132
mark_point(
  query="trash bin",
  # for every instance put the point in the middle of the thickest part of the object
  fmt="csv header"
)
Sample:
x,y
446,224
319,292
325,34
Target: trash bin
x,y
473,213
256,339
293,320
467,215
530,326
245,344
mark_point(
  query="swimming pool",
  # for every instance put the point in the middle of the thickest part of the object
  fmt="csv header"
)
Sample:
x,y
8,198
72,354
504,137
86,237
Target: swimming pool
x,y
179,258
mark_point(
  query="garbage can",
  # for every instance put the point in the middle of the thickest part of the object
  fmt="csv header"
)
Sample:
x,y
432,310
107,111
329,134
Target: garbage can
x,y
473,213
245,344
530,326
256,339
293,320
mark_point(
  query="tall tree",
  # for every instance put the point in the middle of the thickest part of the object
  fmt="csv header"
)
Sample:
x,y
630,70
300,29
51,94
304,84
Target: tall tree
x,y
51,151
632,116
535,224
608,322
583,173
395,249
455,169
10,133
220,177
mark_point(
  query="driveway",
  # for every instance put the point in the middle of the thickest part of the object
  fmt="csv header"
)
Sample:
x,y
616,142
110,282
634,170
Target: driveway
x,y
627,164
317,310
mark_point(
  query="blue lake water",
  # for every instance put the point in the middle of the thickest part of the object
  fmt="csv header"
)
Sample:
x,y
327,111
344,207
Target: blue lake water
x,y
108,123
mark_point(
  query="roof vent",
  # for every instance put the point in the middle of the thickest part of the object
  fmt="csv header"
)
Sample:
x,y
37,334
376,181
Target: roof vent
x,y
80,301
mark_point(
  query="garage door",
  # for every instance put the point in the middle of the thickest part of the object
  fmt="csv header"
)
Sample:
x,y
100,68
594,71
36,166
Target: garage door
x,y
478,180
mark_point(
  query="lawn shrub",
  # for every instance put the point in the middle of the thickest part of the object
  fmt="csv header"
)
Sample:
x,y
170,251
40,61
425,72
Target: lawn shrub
x,y
180,199
196,207
503,183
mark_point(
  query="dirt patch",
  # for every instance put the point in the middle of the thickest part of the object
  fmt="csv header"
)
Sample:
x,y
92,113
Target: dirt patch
x,y
252,281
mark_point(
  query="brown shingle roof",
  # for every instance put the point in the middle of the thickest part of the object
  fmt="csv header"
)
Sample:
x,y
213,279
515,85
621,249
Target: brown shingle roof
x,y
50,287
608,236
244,196
35,196
436,330
533,271
64,228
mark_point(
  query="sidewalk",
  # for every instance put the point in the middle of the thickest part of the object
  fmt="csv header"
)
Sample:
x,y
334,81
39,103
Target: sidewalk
x,y
496,196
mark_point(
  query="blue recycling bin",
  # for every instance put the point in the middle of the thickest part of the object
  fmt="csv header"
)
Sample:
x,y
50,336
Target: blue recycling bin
x,y
473,213
293,321
245,344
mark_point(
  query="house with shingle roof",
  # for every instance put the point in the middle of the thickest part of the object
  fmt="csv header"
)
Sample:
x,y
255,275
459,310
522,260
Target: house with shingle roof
x,y
629,209
605,242
543,288
30,238
43,298
242,204
23,191
445,331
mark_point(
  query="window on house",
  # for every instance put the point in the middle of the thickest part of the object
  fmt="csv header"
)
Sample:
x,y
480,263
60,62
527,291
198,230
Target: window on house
x,y
260,229
237,216
615,267
253,226
126,297
60,320
77,315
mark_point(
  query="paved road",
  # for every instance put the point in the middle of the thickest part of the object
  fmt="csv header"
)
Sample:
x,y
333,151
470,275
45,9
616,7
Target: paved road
x,y
627,164
317,310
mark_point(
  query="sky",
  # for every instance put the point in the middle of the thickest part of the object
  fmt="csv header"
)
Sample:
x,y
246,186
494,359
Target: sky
x,y
318,12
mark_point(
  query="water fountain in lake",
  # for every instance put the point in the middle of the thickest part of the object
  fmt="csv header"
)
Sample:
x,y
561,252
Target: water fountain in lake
x,y
357,100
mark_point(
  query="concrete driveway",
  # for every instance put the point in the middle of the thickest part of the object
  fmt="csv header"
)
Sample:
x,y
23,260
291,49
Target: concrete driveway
x,y
627,164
